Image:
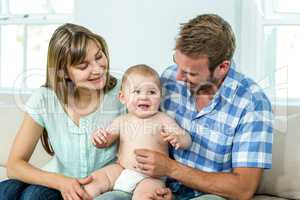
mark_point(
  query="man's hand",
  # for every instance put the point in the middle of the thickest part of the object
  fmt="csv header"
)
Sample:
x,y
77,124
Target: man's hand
x,y
152,163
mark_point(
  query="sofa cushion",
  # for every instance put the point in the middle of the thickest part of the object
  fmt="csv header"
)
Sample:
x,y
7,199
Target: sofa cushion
x,y
283,179
12,121
2,173
264,197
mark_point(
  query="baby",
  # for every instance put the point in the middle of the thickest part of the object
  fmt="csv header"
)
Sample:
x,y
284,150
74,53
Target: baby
x,y
144,126
204,95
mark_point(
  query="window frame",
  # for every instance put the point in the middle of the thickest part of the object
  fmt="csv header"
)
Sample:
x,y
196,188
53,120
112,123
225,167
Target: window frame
x,y
264,14
27,20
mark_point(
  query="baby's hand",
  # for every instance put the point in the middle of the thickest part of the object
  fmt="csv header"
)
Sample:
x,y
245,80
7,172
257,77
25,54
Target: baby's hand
x,y
100,138
172,138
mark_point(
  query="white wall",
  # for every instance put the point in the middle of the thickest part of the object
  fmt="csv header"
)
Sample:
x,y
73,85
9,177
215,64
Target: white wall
x,y
137,31
144,31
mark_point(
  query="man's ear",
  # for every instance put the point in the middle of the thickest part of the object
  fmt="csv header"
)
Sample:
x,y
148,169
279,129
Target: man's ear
x,y
121,97
222,69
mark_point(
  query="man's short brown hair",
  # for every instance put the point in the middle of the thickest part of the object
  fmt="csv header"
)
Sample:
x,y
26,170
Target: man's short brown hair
x,y
207,35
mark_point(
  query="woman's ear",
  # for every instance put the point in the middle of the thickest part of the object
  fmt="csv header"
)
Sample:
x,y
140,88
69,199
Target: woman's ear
x,y
63,74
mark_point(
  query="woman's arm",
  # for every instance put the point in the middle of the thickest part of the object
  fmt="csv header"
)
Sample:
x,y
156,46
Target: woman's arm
x,y
19,168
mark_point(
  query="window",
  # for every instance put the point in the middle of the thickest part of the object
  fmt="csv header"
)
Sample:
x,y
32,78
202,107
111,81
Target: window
x,y
25,32
270,46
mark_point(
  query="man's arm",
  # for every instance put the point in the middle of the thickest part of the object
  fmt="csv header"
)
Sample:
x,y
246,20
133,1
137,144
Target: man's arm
x,y
240,184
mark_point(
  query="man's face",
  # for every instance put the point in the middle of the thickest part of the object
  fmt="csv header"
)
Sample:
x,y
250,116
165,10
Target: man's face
x,y
193,71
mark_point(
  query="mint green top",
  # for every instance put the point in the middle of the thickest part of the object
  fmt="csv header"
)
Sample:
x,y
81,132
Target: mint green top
x,y
75,155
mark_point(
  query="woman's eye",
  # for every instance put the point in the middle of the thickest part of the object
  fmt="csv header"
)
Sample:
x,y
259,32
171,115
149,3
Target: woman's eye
x,y
83,66
98,57
136,92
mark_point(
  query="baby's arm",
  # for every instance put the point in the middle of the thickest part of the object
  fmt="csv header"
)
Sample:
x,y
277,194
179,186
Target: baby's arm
x,y
103,138
174,134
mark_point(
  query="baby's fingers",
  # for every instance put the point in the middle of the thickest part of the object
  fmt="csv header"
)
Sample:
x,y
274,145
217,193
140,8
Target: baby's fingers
x,y
98,140
164,134
169,138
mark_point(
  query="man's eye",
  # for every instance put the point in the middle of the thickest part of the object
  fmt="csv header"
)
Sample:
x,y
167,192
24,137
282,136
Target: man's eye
x,y
192,74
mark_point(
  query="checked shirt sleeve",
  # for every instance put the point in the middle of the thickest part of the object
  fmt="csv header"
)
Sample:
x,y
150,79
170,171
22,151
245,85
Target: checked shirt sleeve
x,y
252,145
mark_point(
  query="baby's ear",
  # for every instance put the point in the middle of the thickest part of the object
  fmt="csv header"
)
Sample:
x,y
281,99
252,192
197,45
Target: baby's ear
x,y
121,97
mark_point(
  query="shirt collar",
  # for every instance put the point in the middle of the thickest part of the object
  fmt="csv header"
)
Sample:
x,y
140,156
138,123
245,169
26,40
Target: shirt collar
x,y
230,84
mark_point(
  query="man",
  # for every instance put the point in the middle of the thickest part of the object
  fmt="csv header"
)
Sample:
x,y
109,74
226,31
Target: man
x,y
232,135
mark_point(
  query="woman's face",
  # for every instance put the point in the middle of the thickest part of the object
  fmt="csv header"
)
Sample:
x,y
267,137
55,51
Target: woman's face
x,y
91,73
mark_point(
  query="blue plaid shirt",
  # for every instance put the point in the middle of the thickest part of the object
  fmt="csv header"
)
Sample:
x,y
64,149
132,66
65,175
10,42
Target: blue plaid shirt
x,y
233,130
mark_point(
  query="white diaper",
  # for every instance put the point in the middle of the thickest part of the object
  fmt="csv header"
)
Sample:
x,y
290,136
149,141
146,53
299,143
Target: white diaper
x,y
128,180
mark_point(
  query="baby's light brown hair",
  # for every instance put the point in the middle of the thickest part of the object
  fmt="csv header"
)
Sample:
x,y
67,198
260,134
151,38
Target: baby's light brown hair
x,y
141,69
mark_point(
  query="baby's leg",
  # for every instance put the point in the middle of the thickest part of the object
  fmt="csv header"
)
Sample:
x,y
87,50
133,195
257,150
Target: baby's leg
x,y
147,187
103,180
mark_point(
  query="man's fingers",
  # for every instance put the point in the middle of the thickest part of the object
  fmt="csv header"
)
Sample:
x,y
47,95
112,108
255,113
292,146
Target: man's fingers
x,y
142,152
143,167
141,160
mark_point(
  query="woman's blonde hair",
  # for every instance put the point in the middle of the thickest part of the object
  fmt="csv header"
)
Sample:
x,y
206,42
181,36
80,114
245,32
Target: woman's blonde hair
x,y
68,46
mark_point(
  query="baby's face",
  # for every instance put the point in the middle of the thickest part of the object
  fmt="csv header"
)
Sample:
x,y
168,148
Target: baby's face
x,y
204,95
141,95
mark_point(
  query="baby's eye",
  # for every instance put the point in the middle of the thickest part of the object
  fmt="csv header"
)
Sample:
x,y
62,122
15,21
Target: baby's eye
x,y
152,92
136,91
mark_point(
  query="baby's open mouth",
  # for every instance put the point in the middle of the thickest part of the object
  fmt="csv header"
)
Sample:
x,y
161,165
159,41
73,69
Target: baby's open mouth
x,y
143,106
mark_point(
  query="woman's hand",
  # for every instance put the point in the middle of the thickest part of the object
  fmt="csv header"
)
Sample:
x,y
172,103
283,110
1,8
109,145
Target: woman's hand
x,y
163,194
71,188
160,194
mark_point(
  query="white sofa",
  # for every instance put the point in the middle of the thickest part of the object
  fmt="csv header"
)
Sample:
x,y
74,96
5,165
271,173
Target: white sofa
x,y
281,182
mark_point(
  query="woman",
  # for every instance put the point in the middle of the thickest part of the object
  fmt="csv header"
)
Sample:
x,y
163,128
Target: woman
x,y
79,95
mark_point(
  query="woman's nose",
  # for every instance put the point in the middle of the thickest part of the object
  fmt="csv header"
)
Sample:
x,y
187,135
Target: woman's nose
x,y
96,69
